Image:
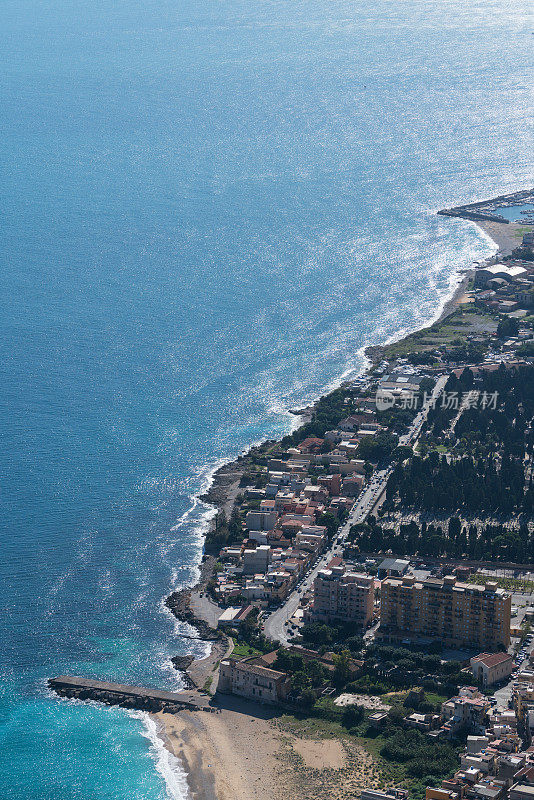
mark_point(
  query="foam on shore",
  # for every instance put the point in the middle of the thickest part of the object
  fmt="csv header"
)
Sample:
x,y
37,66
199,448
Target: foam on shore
x,y
167,765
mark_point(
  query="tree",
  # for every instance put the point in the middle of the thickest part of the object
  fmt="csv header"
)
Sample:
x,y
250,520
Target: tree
x,y
330,521
379,447
401,453
352,715
507,327
300,681
307,698
342,668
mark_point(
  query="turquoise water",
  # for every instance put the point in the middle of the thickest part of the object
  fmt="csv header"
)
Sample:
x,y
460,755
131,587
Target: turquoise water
x,y
208,210
514,213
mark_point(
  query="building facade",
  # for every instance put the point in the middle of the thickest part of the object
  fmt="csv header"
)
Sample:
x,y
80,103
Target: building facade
x,y
252,681
490,668
458,614
342,596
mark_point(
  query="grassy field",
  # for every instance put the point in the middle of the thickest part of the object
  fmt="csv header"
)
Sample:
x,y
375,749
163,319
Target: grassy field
x,y
439,448
519,231
454,329
241,650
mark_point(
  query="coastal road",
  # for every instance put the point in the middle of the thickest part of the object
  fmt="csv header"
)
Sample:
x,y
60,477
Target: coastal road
x,y
274,625
374,492
414,431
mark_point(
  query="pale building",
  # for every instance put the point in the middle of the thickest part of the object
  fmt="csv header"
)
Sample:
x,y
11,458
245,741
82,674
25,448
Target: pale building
x,y
458,614
490,668
261,520
256,560
252,681
344,596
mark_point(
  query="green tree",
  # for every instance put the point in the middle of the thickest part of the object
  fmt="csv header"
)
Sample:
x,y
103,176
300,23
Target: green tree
x,y
342,668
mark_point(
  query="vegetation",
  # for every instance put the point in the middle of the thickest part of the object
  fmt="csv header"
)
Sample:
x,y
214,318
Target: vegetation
x,y
329,411
377,448
336,636
434,341
388,668
403,757
480,466
242,650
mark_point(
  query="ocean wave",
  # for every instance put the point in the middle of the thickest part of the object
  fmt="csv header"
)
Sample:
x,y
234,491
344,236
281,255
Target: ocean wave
x,y
167,765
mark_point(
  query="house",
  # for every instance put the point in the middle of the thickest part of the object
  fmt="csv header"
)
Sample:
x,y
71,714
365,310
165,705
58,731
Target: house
x,y
310,445
507,305
487,790
377,719
423,722
522,791
384,794
467,712
440,794
490,668
232,617
253,682
400,383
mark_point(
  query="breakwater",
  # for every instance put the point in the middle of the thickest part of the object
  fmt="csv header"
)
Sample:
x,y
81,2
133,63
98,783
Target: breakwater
x,y
486,209
125,696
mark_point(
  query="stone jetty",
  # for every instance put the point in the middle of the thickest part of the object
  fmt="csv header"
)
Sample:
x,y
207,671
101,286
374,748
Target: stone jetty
x,y
118,694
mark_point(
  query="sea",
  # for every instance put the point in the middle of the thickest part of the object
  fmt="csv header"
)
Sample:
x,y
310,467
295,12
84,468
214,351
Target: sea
x,y
208,209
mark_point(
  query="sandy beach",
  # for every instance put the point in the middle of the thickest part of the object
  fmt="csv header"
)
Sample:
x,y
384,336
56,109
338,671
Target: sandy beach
x,y
245,751
506,237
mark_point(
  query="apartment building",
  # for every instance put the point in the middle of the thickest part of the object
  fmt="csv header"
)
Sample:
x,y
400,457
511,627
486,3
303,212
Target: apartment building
x,y
458,614
256,560
343,596
466,712
384,794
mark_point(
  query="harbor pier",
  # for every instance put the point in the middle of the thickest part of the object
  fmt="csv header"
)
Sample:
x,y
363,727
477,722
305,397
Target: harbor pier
x,y
125,696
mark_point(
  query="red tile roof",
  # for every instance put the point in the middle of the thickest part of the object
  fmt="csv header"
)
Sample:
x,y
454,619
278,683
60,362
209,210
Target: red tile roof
x,y
491,660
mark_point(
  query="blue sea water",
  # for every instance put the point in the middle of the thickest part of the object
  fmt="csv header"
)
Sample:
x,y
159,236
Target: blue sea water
x,y
208,209
515,213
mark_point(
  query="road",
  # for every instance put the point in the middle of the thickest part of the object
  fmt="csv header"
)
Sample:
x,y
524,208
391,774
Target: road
x,y
274,625
368,500
503,696
410,438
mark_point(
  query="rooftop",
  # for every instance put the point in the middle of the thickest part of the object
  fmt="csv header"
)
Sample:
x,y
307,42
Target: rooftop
x,y
491,660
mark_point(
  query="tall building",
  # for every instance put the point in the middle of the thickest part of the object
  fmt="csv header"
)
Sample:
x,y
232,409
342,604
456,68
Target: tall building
x,y
458,614
342,596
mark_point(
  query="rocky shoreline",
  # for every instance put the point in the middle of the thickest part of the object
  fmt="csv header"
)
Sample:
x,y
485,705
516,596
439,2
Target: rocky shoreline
x,y
195,671
222,493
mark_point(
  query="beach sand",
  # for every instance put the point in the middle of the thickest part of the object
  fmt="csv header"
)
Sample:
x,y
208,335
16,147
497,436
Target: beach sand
x,y
506,237
245,751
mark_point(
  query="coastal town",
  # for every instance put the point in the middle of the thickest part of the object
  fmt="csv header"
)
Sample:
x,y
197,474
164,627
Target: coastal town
x,y
371,574
374,567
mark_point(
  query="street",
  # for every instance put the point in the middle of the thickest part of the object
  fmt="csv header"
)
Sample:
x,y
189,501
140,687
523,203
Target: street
x,y
274,625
